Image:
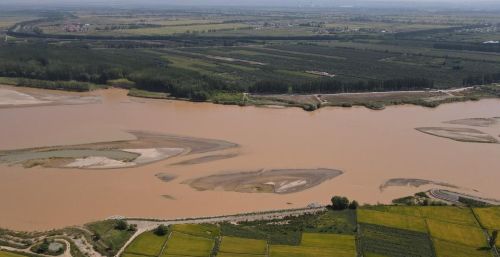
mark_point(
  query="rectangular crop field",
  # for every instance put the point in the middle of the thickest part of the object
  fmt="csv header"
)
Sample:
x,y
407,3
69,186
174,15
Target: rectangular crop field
x,y
203,230
394,220
466,235
220,254
489,217
336,241
148,243
448,249
302,251
188,245
392,242
242,246
450,214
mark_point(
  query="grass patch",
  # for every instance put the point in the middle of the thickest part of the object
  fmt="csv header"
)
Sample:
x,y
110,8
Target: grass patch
x,y
188,245
112,238
242,246
148,243
448,249
392,220
465,235
9,254
147,94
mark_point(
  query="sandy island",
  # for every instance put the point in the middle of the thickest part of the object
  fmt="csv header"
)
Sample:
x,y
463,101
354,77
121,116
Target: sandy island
x,y
413,182
476,122
459,134
282,181
147,148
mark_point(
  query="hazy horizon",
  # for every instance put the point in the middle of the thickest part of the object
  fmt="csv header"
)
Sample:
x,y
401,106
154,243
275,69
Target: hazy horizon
x,y
451,4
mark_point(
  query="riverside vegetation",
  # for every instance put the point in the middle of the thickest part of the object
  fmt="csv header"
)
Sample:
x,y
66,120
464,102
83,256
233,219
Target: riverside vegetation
x,y
259,59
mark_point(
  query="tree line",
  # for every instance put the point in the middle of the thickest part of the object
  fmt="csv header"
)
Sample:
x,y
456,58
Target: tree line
x,y
332,86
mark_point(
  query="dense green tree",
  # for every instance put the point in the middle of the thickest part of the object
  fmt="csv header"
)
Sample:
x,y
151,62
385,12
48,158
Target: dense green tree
x,y
493,238
161,230
353,205
121,225
339,203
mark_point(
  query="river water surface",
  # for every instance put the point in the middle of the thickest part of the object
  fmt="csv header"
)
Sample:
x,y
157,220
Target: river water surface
x,y
369,146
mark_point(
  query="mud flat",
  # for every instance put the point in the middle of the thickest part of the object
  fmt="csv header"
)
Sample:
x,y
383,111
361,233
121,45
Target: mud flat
x,y
476,122
279,181
16,97
209,158
412,182
459,134
147,148
12,97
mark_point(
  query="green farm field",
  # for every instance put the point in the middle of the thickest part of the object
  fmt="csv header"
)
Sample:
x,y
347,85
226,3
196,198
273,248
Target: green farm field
x,y
180,244
147,243
235,245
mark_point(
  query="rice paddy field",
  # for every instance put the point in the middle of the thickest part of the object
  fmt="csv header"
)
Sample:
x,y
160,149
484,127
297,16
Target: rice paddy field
x,y
372,231
382,231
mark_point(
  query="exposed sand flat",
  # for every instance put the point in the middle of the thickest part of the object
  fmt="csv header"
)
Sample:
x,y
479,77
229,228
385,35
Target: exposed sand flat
x,y
282,181
98,162
412,182
117,154
154,154
12,97
204,159
459,134
476,122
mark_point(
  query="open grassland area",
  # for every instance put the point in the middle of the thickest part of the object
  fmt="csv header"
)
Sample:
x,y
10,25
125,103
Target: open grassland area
x,y
235,245
393,242
147,243
489,217
180,244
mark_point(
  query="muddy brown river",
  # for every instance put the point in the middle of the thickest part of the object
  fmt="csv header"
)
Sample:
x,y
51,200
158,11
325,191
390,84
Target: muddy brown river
x,y
369,146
